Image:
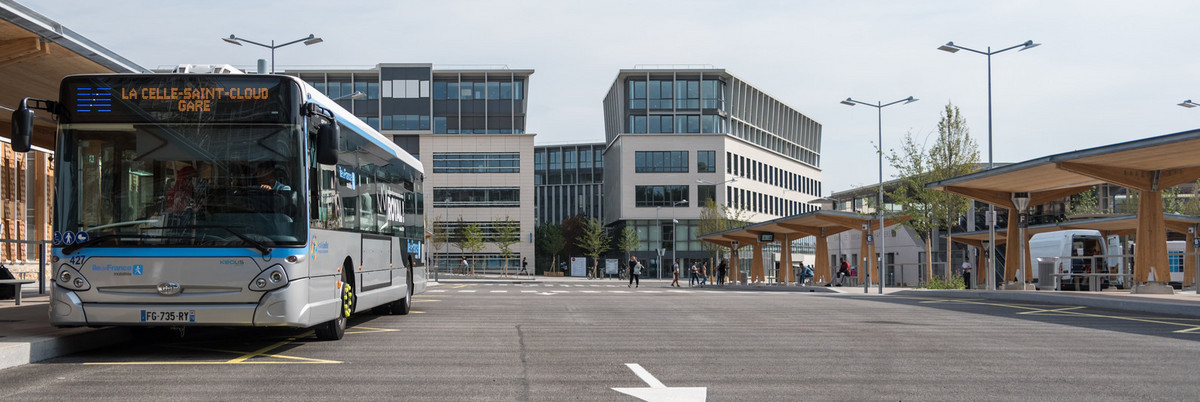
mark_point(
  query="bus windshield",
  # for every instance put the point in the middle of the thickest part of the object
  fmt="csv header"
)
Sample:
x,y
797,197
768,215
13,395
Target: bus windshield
x,y
181,184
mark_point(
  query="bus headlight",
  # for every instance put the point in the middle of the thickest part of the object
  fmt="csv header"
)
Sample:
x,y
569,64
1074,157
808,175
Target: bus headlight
x,y
272,278
69,278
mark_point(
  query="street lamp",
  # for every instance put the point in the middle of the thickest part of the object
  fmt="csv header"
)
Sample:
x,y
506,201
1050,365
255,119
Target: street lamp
x,y
308,41
674,231
353,95
879,105
1189,104
952,48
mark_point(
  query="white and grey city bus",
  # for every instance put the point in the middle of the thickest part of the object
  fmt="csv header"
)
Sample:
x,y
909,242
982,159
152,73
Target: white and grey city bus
x,y
224,200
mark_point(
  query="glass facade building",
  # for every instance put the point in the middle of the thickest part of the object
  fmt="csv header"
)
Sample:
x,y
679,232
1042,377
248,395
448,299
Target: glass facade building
x,y
467,126
569,181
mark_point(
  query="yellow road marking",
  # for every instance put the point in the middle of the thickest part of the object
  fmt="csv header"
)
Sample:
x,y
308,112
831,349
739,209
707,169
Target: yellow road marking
x,y
1056,310
367,330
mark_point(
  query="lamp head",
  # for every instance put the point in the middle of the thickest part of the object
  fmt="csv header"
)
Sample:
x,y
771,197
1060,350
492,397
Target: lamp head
x,y
1188,104
948,47
232,40
848,102
910,100
312,40
1029,45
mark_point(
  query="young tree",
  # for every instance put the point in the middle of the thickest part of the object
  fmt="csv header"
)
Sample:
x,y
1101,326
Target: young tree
x,y
459,240
508,233
472,241
628,241
550,241
953,154
438,238
572,229
593,241
716,218
1084,203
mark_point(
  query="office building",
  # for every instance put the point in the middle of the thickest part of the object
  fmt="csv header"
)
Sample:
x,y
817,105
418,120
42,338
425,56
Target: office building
x,y
677,138
569,181
467,126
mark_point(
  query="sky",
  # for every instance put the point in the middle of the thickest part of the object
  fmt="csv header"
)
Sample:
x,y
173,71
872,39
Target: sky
x,y
1106,71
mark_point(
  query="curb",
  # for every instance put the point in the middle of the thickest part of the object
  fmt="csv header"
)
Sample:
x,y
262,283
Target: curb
x,y
35,349
1123,303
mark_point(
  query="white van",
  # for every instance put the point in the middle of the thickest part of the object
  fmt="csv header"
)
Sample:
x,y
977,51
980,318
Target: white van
x,y
1059,247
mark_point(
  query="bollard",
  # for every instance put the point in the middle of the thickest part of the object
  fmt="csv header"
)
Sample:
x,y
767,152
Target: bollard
x,y
41,268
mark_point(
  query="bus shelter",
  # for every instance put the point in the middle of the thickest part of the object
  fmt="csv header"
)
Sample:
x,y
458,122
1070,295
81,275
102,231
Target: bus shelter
x,y
1122,225
820,224
1148,166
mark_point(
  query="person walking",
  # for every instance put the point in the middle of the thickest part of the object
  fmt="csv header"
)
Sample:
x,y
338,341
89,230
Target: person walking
x,y
722,268
675,274
966,272
692,278
635,271
465,266
703,274
524,266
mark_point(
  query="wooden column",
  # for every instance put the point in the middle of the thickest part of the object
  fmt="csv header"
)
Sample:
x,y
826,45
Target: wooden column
x,y
756,264
1189,261
734,266
822,267
785,261
1012,261
1151,252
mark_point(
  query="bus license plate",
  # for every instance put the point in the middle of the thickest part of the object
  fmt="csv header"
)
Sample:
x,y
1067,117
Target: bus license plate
x,y
168,315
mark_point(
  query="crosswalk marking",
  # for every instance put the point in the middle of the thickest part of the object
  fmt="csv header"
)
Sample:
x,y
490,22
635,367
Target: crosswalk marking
x,y
499,291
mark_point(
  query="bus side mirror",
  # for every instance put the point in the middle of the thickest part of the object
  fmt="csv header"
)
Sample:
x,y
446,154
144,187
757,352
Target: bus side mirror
x,y
327,144
22,129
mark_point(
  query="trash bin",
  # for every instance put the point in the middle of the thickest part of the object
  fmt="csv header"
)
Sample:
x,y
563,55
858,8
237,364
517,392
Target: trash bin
x,y
1045,276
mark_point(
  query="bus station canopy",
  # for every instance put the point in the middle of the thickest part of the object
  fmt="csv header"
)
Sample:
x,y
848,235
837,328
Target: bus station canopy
x,y
1117,225
1147,165
35,54
820,224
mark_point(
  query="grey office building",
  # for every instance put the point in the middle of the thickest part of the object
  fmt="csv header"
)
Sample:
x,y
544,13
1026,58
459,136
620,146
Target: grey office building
x,y
568,180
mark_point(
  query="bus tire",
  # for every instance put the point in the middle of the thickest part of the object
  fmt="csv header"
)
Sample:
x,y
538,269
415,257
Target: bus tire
x,y
403,306
336,328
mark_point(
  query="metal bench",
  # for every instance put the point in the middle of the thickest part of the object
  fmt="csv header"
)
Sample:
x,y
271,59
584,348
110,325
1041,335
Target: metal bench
x,y
16,284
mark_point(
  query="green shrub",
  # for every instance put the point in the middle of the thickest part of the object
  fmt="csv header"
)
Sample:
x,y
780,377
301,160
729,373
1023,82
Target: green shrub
x,y
955,282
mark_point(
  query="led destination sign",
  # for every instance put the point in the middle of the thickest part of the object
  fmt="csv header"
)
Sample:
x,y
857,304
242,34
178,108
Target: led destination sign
x,y
193,99
178,98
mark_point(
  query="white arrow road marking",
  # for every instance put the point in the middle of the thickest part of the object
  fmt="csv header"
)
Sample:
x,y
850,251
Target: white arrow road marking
x,y
660,392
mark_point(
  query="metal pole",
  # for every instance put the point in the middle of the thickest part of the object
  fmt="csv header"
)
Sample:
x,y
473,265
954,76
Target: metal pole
x,y
991,271
879,210
658,250
272,56
41,269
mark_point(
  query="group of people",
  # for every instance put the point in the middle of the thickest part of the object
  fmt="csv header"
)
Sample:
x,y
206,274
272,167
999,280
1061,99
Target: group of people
x,y
699,274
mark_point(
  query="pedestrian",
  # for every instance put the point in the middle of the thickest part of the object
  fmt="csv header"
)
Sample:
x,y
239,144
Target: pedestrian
x,y
722,268
635,271
805,274
966,272
843,271
465,266
703,274
693,279
675,274
524,266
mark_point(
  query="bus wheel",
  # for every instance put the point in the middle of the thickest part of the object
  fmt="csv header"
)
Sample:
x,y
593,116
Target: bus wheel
x,y
403,306
336,328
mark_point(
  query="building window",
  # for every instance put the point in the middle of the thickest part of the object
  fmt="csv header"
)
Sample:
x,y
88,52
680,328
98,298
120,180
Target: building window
x,y
483,197
706,161
706,193
481,162
661,196
661,161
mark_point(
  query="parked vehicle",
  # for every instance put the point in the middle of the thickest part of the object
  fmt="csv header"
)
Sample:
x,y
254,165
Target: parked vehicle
x,y
1068,250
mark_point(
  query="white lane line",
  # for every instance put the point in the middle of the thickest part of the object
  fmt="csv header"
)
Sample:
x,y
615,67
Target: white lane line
x,y
499,291
591,291
528,291
436,290
466,291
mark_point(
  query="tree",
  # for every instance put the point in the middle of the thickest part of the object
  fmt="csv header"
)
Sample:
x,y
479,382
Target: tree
x,y
1085,203
472,241
572,229
628,241
508,233
716,218
550,241
953,154
593,241
439,237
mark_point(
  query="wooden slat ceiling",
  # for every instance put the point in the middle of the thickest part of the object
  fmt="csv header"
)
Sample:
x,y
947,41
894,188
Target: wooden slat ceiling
x,y
32,67
1123,224
1173,151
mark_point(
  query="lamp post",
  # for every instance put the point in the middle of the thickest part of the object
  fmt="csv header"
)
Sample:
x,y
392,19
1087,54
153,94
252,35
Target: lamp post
x,y
308,41
674,232
952,48
879,105
352,95
658,250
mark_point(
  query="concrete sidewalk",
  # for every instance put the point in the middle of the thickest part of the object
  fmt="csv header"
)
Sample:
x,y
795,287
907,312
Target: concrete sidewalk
x,y
26,335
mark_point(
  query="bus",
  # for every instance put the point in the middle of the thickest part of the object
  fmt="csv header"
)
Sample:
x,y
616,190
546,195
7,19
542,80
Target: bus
x,y
224,200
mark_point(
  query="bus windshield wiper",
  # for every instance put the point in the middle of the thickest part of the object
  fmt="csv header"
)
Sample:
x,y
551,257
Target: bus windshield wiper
x,y
257,245
99,239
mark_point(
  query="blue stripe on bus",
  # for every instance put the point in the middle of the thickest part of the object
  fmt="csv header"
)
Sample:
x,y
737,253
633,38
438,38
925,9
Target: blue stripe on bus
x,y
182,252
